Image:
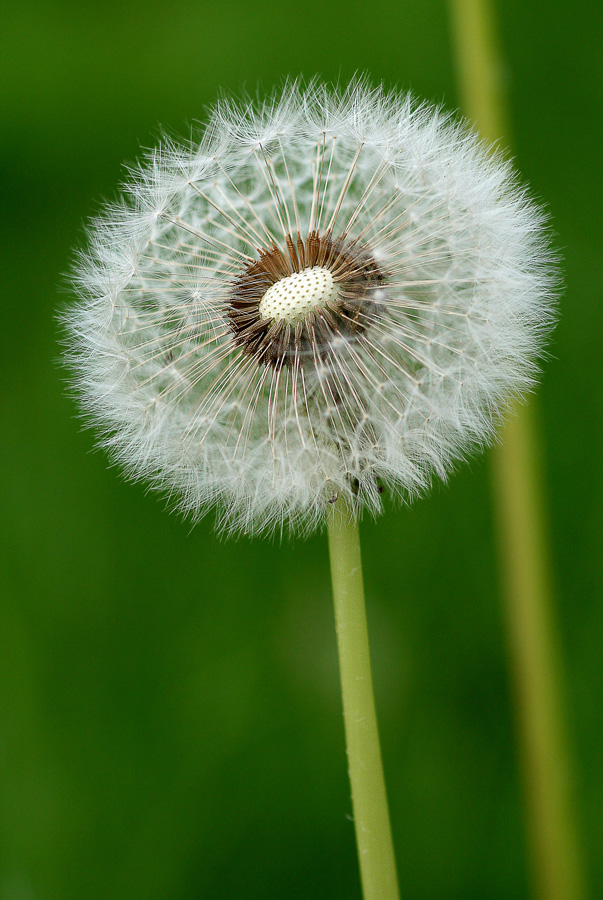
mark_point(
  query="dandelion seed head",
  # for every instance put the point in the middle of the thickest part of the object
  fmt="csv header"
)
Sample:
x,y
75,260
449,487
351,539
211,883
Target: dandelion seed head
x,y
330,292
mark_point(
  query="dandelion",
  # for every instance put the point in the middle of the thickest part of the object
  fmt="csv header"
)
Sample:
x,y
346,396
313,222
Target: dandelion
x,y
330,293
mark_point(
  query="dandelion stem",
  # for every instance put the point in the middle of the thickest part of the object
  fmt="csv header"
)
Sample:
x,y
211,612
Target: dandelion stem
x,y
521,522
535,667
369,801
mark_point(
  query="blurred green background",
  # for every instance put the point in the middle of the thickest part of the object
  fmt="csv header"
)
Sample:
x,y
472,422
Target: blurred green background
x,y
170,716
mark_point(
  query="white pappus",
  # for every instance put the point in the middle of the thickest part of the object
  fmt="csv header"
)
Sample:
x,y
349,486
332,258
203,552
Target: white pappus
x,y
330,292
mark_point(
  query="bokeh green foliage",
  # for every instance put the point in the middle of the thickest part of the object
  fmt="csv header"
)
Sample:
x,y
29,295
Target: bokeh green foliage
x,y
170,716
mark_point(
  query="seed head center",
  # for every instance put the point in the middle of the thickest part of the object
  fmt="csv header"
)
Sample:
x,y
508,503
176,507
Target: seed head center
x,y
293,298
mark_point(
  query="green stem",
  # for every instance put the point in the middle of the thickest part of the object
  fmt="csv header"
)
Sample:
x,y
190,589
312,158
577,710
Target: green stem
x,y
535,666
369,801
521,522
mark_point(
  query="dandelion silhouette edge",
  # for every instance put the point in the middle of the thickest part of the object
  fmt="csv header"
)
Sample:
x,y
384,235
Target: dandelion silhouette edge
x,y
329,292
